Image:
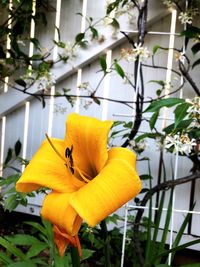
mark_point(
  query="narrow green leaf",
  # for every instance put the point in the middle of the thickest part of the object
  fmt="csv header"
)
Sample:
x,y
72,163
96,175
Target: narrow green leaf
x,y
119,70
168,102
21,82
160,82
180,232
87,253
155,48
191,265
11,203
157,221
145,135
79,37
181,112
181,247
18,146
191,32
196,48
153,119
22,264
12,249
5,258
115,23
145,177
103,63
9,156
23,239
36,249
180,126
165,229
94,32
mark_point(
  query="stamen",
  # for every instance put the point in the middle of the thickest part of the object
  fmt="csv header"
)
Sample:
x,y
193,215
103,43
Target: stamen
x,y
54,148
66,161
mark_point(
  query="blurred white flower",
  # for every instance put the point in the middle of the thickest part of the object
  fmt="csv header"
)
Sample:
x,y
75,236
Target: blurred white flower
x,y
180,143
132,54
187,16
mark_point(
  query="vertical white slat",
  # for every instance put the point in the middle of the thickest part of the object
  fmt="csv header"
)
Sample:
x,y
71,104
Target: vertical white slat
x,y
3,129
26,127
55,54
79,77
8,45
106,86
173,207
79,72
170,60
32,29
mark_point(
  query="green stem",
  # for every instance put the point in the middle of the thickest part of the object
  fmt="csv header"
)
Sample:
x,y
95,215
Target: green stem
x,y
107,245
75,257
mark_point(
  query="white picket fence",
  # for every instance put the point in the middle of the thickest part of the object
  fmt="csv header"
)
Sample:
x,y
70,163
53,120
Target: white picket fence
x,y
23,118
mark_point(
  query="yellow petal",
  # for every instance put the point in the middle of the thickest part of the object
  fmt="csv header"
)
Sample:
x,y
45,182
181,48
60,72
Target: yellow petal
x,y
116,184
88,136
58,211
47,169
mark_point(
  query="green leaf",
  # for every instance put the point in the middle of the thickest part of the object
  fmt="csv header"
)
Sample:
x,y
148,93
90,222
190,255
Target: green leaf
x,y
22,264
145,135
94,32
160,82
20,82
9,156
181,112
115,23
23,239
11,202
12,249
119,70
18,146
191,32
196,48
5,258
191,265
96,100
36,249
180,126
145,177
103,63
153,119
197,62
87,253
158,104
155,48
79,37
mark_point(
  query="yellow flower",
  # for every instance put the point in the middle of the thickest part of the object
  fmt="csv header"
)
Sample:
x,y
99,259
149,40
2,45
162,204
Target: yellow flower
x,y
87,181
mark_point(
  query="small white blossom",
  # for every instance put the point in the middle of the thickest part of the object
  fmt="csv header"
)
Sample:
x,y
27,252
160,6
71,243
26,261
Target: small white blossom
x,y
69,51
132,54
168,3
180,143
180,56
187,16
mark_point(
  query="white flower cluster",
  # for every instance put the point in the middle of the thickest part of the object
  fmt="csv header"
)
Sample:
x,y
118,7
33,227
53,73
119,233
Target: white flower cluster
x,y
194,111
69,51
139,146
132,54
168,3
180,143
187,16
45,81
